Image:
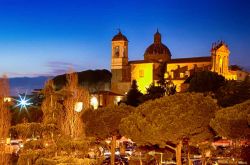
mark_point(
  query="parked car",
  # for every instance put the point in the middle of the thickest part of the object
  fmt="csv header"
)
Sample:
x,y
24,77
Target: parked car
x,y
107,153
16,145
107,161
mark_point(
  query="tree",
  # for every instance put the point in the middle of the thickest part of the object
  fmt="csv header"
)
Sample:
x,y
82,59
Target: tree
x,y
170,119
26,130
52,110
168,86
73,125
233,122
161,75
233,92
154,92
61,129
87,79
5,118
4,109
33,114
104,123
205,81
134,95
235,67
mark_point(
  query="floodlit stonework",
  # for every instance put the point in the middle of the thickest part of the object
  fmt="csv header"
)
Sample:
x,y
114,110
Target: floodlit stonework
x,y
178,70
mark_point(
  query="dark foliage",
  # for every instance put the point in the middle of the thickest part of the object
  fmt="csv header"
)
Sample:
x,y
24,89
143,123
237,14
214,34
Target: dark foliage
x,y
104,122
233,122
85,78
245,154
162,81
168,86
154,92
206,81
170,118
235,67
133,97
32,114
233,92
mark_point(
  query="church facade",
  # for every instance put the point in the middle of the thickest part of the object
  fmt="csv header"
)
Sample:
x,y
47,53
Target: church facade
x,y
146,71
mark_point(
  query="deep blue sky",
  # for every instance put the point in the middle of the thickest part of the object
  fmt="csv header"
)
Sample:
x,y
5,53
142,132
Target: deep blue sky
x,y
47,37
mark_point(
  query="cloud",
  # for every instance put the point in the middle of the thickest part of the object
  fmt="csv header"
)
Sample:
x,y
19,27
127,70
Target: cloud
x,y
59,67
17,74
54,68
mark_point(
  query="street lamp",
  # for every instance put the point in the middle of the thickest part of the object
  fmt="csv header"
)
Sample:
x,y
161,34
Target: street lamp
x,y
94,102
78,106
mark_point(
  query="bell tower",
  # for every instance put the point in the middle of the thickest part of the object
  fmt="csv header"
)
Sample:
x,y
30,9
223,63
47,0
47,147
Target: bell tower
x,y
119,62
220,58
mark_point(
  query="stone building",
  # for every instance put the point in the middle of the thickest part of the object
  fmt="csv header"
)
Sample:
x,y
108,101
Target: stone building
x,y
145,71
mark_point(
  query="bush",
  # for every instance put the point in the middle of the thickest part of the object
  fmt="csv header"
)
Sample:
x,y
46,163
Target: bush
x,y
30,156
34,144
73,145
45,161
61,160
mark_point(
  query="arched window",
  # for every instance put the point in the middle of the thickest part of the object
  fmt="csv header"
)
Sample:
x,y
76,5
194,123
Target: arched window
x,y
221,65
116,52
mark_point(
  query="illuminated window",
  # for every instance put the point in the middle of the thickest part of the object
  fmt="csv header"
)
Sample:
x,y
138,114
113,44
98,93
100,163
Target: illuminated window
x,y
141,73
172,74
7,99
166,75
181,75
187,73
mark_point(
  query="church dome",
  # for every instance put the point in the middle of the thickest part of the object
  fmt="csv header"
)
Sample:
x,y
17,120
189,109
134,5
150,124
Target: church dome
x,y
119,37
157,51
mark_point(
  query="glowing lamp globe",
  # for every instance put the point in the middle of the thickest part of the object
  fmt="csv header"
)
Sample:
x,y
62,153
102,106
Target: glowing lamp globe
x,y
94,102
78,106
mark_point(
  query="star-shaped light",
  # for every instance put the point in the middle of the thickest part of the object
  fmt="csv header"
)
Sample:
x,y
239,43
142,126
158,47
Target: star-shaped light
x,y
23,102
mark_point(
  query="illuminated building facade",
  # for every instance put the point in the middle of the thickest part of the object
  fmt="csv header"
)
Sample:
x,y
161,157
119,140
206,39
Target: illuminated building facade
x,y
146,71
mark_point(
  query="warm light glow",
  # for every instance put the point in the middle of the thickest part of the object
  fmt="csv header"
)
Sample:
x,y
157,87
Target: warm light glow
x,y
94,102
7,99
78,106
108,141
118,99
143,74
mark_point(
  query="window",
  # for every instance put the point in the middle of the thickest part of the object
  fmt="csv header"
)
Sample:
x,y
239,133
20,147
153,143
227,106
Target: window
x,y
141,73
172,74
187,73
181,75
166,75
116,51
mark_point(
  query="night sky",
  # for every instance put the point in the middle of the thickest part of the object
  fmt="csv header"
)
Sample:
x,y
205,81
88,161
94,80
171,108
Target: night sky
x,y
48,37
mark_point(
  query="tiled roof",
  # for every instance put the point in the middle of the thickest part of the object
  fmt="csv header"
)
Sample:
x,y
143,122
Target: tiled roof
x,y
140,62
190,60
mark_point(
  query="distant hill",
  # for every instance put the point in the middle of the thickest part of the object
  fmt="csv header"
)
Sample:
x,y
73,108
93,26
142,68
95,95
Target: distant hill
x,y
92,79
26,84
